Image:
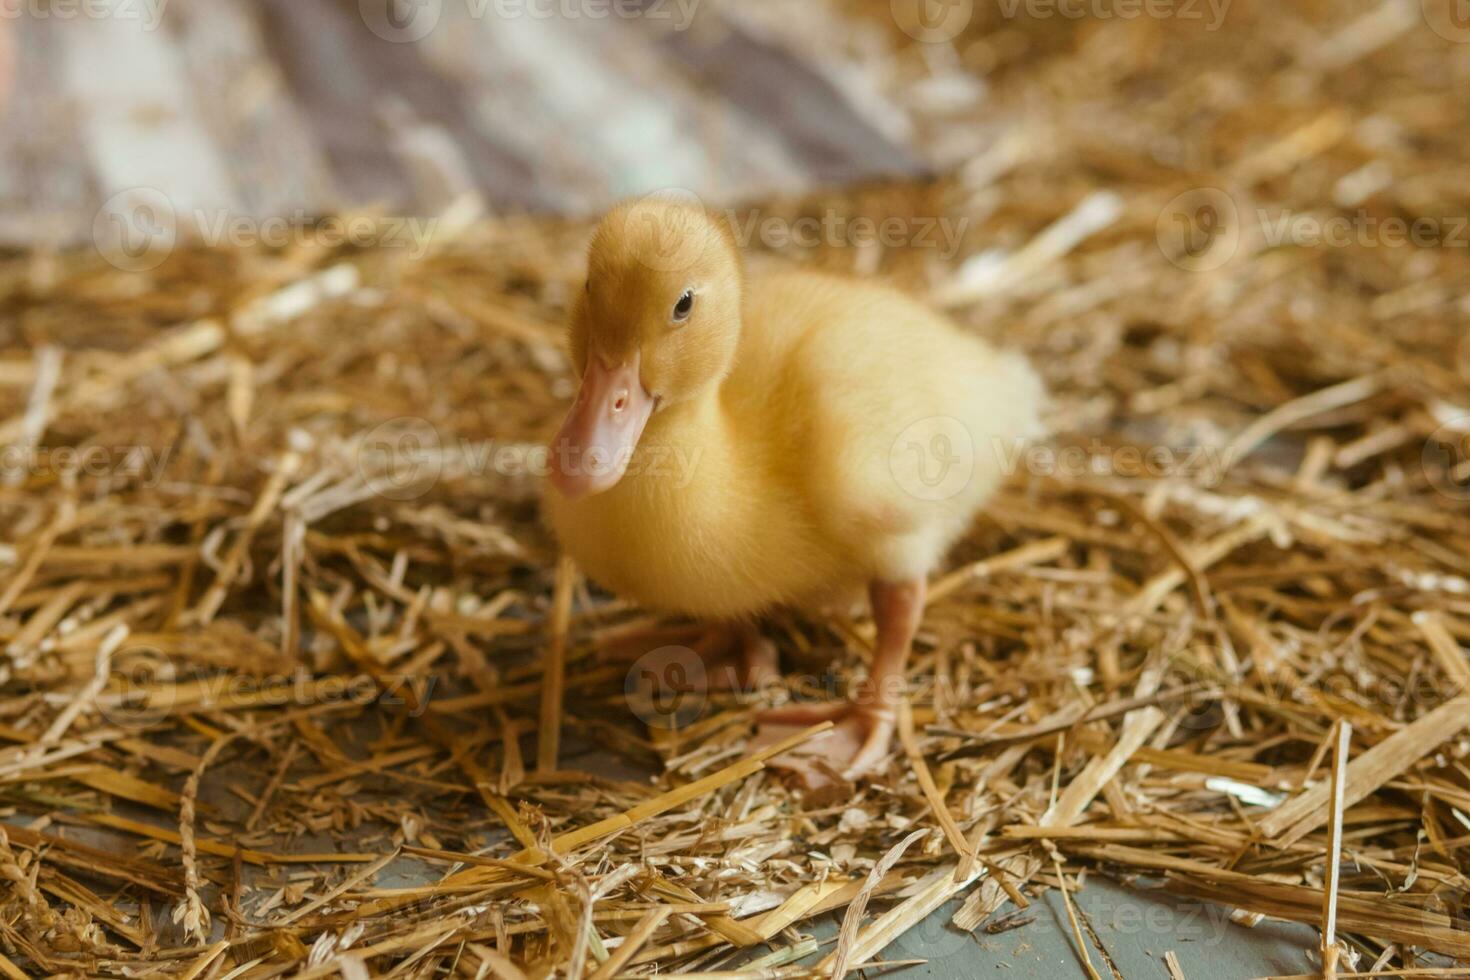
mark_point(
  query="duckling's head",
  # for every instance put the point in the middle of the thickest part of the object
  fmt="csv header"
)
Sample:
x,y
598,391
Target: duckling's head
x,y
657,324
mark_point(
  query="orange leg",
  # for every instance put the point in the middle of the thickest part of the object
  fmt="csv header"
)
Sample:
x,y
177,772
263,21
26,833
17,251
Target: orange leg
x,y
859,743
735,655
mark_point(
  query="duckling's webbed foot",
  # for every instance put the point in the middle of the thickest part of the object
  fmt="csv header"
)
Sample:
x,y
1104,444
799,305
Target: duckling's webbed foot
x,y
858,744
735,656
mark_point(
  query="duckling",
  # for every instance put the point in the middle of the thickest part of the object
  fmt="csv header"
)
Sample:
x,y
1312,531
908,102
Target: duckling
x,y
778,438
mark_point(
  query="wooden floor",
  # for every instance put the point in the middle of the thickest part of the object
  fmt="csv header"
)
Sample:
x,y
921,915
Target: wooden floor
x,y
263,107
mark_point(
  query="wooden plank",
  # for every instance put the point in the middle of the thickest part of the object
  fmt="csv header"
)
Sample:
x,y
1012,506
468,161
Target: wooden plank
x,y
46,189
432,117
319,53
623,114
138,123
278,107
246,110
831,140
396,129
562,119
737,155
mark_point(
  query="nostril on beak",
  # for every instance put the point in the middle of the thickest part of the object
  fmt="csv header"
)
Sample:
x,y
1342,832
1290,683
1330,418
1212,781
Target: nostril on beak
x,y
620,402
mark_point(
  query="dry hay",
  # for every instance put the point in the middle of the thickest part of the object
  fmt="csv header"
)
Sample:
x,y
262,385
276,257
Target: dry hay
x,y
278,629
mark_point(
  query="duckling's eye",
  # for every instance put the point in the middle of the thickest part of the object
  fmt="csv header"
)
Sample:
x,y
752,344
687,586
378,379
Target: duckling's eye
x,y
684,307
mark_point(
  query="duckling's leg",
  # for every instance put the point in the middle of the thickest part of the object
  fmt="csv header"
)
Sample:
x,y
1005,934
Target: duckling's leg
x,y
735,655
859,743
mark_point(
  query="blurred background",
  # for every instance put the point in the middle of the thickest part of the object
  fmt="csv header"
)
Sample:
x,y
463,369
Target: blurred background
x,y
259,108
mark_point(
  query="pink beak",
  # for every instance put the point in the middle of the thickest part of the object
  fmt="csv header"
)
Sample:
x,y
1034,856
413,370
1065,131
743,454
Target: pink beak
x,y
595,445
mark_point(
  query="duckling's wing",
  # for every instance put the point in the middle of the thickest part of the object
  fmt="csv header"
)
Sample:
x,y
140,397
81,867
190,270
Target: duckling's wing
x,y
908,426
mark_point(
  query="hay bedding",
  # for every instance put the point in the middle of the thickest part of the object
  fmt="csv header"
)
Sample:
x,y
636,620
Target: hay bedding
x,y
288,626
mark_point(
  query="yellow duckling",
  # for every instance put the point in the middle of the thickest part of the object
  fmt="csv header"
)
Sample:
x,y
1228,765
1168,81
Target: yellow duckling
x,y
784,439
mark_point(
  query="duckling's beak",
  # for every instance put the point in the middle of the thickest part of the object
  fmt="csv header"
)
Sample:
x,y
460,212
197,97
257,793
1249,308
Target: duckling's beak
x,y
595,445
